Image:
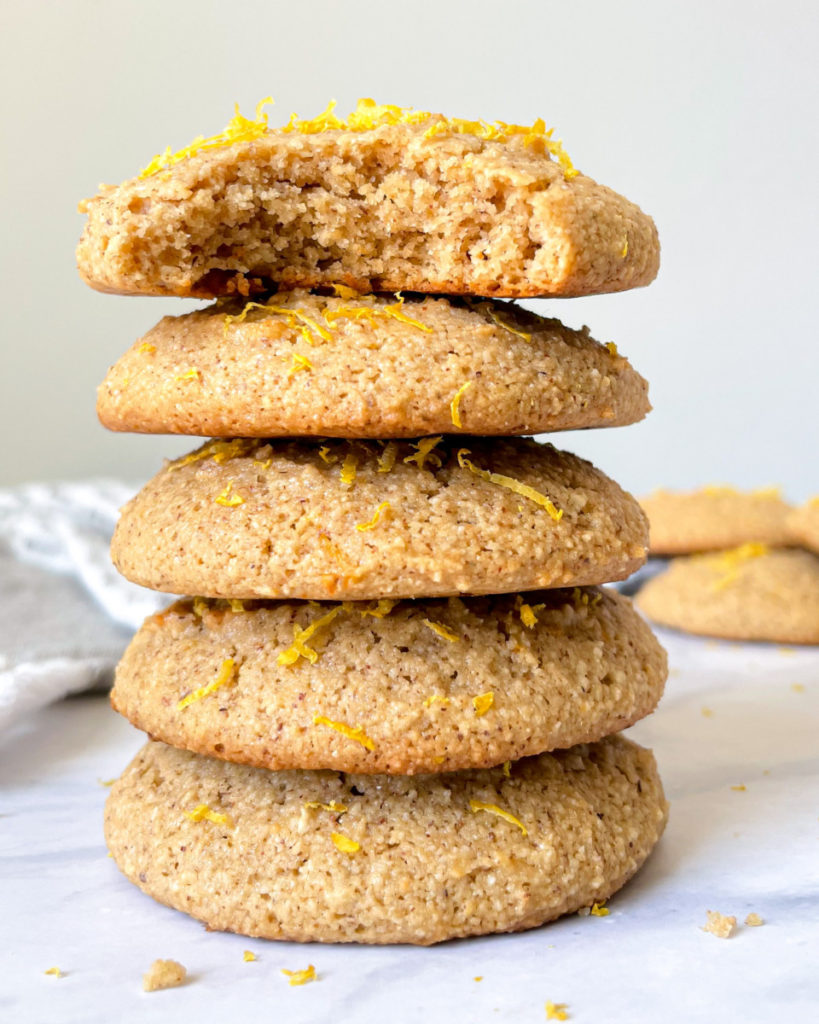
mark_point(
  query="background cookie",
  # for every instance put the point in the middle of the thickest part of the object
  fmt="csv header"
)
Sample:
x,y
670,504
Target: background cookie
x,y
749,593
803,523
714,518
423,686
367,366
429,206
358,520
329,857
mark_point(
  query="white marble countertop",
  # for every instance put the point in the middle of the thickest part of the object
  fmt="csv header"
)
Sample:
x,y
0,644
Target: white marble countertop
x,y
733,715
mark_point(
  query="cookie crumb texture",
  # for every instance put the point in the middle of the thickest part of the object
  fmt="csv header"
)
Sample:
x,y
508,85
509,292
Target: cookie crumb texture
x,y
301,364
773,595
720,925
428,868
164,974
587,666
449,530
380,210
803,524
714,518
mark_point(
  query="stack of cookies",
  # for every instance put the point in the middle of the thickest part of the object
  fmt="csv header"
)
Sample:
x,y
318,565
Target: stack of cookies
x,y
389,712
745,565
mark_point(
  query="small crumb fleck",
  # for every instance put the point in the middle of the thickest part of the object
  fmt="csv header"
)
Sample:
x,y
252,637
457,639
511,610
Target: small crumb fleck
x,y
754,920
164,974
106,782
786,650
248,956
55,972
301,977
673,671
797,687
584,912
740,788
707,713
557,1011
720,925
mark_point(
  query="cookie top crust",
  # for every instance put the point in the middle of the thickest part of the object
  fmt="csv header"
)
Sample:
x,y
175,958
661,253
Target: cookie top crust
x,y
748,593
355,520
714,518
332,857
349,365
401,688
803,523
421,205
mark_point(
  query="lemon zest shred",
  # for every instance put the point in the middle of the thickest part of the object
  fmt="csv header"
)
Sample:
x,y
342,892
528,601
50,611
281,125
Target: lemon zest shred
x,y
479,805
107,782
248,956
146,346
624,250
225,674
524,490
526,335
355,733
528,614
218,450
299,649
441,630
344,291
612,348
386,460
200,606
729,563
436,698
333,806
395,311
424,452
326,456
372,313
382,509
299,362
238,129
300,977
506,768
192,374
228,499
556,1011
55,971
599,909
383,608
344,843
483,702
348,469
236,605
204,813
454,405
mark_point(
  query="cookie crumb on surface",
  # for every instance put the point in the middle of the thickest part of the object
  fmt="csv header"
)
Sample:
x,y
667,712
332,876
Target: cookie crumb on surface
x,y
720,925
740,788
164,974
754,920
557,1011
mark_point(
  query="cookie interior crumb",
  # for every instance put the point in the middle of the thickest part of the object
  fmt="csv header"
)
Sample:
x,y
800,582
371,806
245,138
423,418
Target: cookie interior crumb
x,y
754,920
164,974
720,925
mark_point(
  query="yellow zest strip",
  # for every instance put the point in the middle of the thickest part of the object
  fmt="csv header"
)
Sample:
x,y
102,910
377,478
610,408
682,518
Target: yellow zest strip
x,y
513,485
308,324
299,649
55,971
381,610
236,605
146,346
583,597
381,510
344,843
300,977
483,702
348,468
336,808
624,250
729,563
203,813
387,458
299,363
106,782
506,768
238,129
528,614
612,348
219,451
355,733
225,674
227,499
397,313
599,909
557,1011
436,627
527,337
248,957
344,292
423,452
372,313
326,456
436,698
200,606
240,317
454,405
479,805
192,374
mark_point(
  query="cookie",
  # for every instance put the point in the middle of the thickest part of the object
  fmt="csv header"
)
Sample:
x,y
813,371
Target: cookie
x,y
749,593
367,366
331,857
353,520
387,200
803,523
715,518
421,686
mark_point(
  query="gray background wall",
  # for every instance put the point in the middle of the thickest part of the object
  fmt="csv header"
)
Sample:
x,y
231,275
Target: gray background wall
x,y
704,113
